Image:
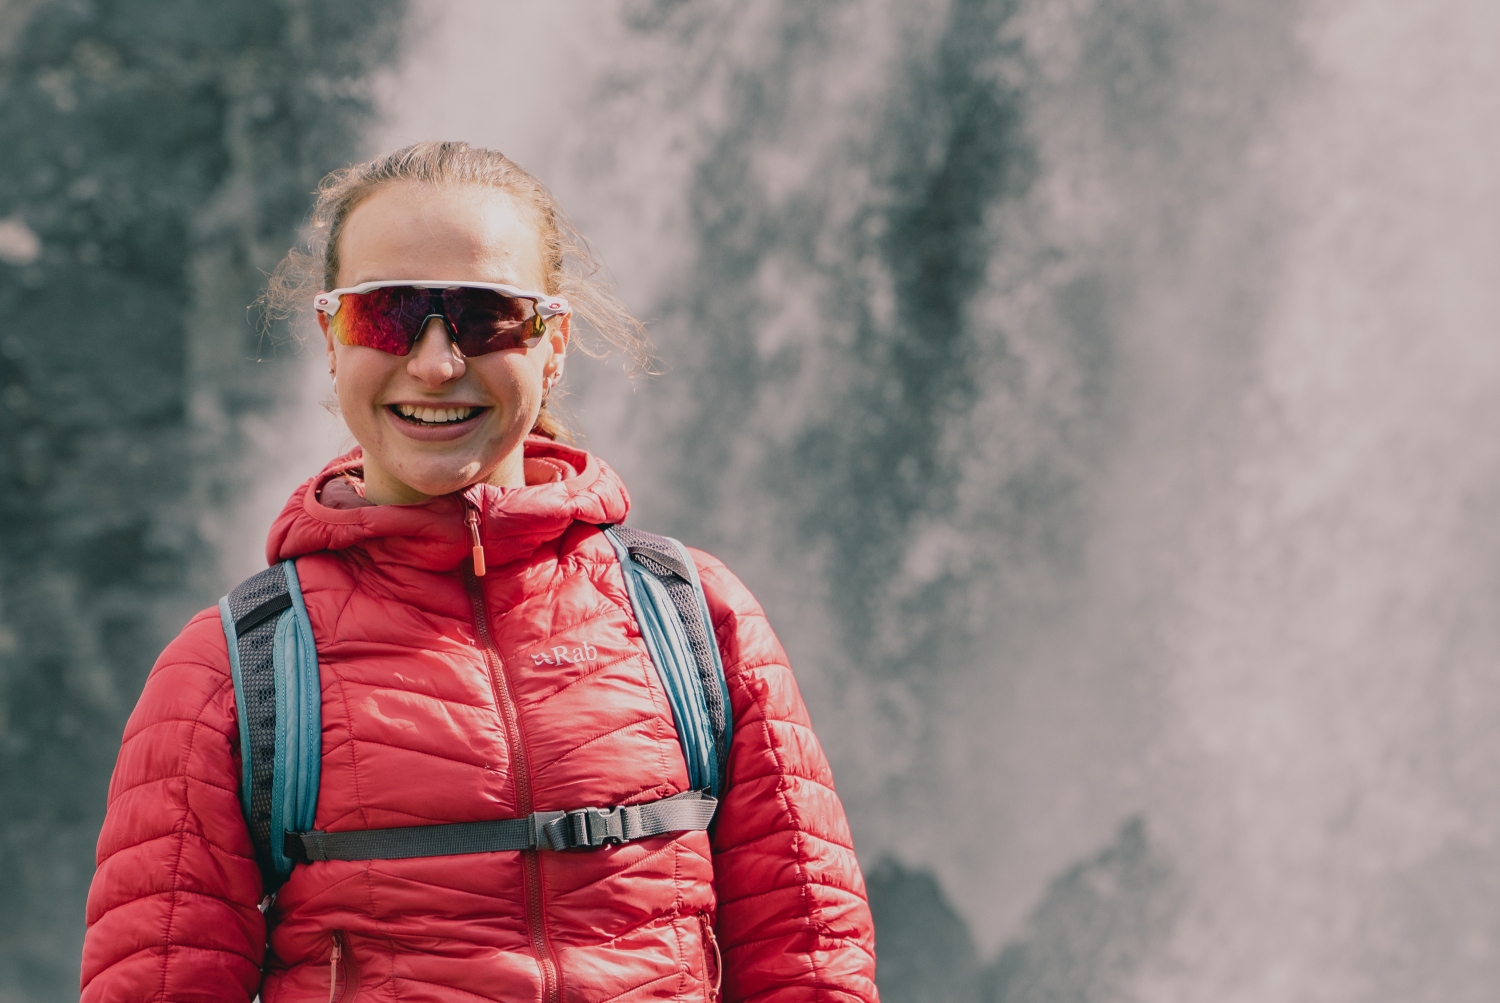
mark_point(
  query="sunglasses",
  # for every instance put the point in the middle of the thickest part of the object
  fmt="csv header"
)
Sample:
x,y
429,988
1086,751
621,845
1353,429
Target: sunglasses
x,y
481,317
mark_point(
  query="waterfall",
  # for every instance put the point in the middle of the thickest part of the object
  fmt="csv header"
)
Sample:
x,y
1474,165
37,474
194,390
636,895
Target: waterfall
x,y
1097,396
1097,393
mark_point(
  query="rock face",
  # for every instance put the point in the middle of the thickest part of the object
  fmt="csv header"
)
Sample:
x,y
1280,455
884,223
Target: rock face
x,y
156,157
1094,930
1089,937
925,953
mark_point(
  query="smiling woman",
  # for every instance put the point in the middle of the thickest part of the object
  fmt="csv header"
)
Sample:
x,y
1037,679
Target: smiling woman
x,y
401,407
481,669
445,205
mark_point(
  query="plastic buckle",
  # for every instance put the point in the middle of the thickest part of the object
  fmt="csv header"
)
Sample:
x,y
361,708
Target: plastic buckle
x,y
586,829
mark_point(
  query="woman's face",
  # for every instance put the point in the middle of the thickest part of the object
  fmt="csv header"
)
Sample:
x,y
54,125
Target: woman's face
x,y
467,233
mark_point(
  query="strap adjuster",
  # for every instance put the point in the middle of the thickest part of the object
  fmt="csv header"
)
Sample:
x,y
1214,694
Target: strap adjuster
x,y
584,829
293,848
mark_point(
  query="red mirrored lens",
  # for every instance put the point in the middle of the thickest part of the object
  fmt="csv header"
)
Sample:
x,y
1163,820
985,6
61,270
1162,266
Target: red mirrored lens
x,y
480,321
487,321
386,319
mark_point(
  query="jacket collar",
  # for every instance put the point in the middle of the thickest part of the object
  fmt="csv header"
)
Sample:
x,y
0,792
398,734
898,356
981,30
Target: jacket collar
x,y
434,535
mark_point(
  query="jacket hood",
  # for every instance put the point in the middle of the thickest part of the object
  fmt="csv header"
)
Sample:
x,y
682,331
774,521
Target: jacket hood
x,y
434,535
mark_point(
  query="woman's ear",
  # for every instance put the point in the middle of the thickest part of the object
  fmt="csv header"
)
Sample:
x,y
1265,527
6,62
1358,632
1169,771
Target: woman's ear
x,y
557,338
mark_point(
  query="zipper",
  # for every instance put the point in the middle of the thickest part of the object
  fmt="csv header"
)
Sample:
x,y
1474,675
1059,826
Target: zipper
x,y
713,961
341,969
531,864
476,550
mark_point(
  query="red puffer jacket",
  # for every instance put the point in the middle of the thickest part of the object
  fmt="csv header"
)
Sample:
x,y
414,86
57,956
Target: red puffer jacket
x,y
439,707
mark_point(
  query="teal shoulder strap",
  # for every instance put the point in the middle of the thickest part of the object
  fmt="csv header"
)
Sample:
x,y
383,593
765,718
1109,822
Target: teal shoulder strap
x,y
672,613
278,699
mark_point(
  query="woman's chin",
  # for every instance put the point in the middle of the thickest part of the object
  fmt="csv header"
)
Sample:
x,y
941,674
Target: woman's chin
x,y
444,481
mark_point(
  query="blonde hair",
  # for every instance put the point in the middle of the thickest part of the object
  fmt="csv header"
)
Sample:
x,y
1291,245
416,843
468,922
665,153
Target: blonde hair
x,y
571,269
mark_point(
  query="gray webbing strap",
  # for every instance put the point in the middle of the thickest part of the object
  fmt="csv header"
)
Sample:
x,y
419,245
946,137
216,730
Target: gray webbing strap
x,y
583,828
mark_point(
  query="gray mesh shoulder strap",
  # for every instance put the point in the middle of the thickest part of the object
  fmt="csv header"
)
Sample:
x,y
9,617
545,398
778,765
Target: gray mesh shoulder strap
x,y
279,700
706,693
249,615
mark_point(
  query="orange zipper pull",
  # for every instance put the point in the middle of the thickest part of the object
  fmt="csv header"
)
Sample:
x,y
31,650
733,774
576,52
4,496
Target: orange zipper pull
x,y
333,968
478,551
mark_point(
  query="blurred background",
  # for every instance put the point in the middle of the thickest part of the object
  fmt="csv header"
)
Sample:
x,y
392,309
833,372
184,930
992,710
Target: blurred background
x,y
1101,396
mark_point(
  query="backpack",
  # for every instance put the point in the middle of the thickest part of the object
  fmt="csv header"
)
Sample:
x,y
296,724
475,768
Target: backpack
x,y
278,700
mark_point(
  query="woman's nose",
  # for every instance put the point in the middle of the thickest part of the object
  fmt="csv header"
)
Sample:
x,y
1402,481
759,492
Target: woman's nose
x,y
434,359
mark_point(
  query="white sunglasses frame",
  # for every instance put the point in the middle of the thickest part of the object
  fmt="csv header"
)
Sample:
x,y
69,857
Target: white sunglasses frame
x,y
546,306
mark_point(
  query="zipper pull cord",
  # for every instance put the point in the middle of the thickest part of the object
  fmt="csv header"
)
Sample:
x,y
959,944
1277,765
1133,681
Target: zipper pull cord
x,y
472,517
333,968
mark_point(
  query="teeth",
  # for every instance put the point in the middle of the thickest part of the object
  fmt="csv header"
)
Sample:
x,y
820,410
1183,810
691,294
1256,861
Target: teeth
x,y
434,415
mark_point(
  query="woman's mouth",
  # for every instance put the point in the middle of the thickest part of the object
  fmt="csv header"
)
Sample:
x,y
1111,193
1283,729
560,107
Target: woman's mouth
x,y
433,417
435,424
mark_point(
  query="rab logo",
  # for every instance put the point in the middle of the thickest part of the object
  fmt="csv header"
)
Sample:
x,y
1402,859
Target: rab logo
x,y
564,655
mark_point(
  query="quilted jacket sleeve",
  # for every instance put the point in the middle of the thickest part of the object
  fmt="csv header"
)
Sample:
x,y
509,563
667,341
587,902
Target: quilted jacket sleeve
x,y
793,922
172,910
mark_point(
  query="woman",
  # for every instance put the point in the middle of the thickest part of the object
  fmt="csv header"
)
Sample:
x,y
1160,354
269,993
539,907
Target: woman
x,y
436,559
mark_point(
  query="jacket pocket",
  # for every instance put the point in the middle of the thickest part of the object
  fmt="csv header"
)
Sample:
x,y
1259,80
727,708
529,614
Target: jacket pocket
x,y
713,962
343,972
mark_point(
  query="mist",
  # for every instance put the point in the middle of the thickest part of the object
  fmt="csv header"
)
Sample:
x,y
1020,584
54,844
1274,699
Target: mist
x,y
1098,395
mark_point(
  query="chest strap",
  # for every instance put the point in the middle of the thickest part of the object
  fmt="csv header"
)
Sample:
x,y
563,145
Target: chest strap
x,y
580,829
